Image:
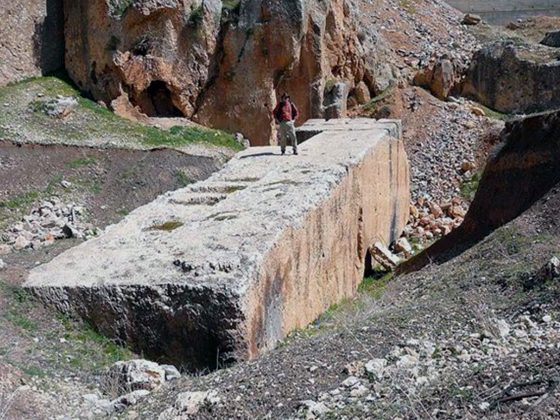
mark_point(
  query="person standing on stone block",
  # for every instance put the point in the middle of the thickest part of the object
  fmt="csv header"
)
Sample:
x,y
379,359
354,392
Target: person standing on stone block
x,y
286,115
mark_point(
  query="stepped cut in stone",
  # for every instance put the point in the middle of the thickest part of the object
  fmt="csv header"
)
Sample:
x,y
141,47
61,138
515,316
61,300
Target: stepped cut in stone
x,y
223,269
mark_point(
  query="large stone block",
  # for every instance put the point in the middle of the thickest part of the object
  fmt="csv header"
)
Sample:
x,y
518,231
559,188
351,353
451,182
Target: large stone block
x,y
225,268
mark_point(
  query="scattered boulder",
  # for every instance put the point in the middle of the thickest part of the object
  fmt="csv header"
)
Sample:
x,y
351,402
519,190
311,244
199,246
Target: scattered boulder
x,y
402,245
315,409
552,39
171,372
3,265
21,243
471,19
436,210
376,367
441,78
50,221
190,403
137,374
478,111
122,403
61,107
383,256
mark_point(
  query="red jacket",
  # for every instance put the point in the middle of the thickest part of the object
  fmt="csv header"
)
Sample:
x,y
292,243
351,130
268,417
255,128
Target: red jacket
x,y
285,111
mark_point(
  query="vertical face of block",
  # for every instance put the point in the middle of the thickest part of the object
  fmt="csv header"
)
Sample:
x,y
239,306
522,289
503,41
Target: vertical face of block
x,y
222,270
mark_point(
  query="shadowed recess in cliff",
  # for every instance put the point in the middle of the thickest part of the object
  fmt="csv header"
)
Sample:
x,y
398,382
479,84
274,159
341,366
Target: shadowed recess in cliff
x,y
48,38
157,101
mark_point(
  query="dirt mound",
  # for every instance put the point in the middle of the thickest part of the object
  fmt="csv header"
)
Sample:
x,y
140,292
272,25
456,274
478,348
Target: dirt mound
x,y
522,169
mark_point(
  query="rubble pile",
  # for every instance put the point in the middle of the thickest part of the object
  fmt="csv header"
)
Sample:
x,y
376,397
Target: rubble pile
x,y
429,220
52,220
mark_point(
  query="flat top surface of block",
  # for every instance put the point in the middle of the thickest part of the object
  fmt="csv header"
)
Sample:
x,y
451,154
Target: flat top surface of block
x,y
217,231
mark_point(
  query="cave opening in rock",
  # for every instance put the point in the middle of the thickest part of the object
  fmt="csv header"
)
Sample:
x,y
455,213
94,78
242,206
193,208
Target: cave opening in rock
x,y
157,101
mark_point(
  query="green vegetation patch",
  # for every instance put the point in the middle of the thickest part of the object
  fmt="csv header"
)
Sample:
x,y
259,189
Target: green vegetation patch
x,y
117,8
469,186
90,123
167,226
79,162
381,97
231,5
20,200
490,113
375,286
183,180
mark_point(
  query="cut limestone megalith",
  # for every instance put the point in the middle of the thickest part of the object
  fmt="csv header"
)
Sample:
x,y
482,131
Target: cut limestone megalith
x,y
225,268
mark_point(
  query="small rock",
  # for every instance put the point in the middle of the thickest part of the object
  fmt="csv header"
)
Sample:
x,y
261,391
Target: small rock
x,y
479,112
471,19
192,402
383,256
503,328
315,408
552,39
436,210
120,404
402,245
137,374
65,184
3,265
171,372
350,382
359,392
376,367
21,243
407,361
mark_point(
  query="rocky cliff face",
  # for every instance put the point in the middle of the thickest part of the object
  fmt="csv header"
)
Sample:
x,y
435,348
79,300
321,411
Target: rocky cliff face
x,y
221,63
514,79
31,38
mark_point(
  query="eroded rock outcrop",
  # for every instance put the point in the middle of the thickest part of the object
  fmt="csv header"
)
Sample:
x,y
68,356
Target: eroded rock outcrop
x,y
442,77
221,64
225,268
514,79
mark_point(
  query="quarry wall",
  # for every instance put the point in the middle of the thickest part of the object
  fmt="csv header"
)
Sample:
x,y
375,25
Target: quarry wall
x,y
31,38
505,11
222,270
